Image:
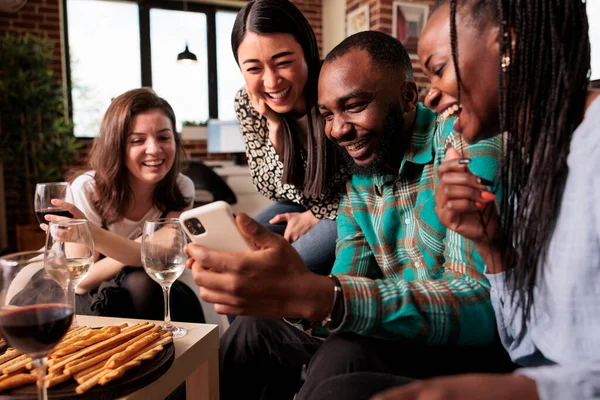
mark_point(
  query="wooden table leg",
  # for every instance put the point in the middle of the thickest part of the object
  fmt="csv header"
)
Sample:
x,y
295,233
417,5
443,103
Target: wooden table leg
x,y
203,383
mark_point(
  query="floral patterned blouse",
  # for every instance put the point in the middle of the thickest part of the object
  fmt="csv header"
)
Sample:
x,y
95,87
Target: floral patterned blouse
x,y
267,170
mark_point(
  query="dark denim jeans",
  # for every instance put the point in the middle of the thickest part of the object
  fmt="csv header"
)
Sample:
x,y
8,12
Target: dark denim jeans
x,y
316,247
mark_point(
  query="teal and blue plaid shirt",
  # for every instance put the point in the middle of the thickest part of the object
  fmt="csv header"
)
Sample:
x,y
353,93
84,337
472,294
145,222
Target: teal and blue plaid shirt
x,y
403,275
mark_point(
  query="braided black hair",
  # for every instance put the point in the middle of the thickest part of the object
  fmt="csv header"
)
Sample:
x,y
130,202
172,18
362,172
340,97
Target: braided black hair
x,y
543,80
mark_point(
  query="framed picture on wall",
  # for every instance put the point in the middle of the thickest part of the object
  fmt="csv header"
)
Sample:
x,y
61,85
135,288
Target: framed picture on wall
x,y
357,20
408,20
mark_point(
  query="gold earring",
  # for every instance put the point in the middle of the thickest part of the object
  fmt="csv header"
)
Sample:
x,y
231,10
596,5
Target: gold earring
x,y
505,62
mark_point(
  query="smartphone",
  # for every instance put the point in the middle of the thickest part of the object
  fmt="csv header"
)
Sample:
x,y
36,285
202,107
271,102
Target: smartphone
x,y
213,226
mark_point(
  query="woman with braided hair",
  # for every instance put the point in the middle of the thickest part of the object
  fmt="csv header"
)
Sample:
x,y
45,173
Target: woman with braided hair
x,y
543,258
520,68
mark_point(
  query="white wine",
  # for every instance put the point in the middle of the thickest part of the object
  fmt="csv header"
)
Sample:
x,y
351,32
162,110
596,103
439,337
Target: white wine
x,y
164,274
75,270
78,268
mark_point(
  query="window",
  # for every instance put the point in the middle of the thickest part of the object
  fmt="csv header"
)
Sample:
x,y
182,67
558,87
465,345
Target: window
x,y
101,70
185,87
115,46
229,76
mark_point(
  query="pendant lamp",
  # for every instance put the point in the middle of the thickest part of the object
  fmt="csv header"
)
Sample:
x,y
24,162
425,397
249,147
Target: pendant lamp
x,y
186,57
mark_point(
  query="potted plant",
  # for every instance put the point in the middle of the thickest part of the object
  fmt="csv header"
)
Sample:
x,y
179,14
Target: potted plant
x,y
36,140
194,130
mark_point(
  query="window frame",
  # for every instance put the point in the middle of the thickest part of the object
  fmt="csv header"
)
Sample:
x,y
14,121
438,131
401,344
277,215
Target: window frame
x,y
144,8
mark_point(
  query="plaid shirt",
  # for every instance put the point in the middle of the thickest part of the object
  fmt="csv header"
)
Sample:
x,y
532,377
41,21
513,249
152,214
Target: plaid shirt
x,y
403,275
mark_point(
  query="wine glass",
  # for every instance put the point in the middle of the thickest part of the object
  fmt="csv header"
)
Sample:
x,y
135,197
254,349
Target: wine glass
x,y
69,255
32,320
164,260
45,192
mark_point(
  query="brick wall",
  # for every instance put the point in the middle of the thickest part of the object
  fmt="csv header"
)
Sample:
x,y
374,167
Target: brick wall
x,y
380,13
313,11
40,18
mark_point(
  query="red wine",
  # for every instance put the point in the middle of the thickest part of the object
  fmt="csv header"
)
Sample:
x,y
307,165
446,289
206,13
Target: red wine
x,y
40,214
35,330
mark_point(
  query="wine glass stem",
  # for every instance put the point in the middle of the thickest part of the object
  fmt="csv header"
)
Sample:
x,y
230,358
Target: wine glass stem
x,y
167,295
40,366
72,296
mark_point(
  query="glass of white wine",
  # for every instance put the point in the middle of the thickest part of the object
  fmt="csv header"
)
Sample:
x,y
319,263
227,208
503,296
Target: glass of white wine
x,y
69,255
164,260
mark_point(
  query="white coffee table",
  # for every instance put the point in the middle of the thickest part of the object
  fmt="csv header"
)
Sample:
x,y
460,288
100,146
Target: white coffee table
x,y
196,361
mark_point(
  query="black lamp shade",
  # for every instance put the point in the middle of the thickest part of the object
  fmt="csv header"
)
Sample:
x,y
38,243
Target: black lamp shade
x,y
187,56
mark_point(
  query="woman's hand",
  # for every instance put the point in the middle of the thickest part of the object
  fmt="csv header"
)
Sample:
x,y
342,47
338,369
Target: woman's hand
x,y
273,119
297,224
75,212
465,205
71,208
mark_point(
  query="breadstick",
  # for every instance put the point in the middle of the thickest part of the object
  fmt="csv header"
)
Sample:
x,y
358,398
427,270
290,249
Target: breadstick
x,y
135,326
87,373
122,357
53,380
18,366
121,337
90,383
9,354
14,361
85,334
150,351
75,331
82,344
75,366
16,381
120,371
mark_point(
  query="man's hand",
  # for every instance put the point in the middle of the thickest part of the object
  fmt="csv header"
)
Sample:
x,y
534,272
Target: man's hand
x,y
466,387
297,224
271,281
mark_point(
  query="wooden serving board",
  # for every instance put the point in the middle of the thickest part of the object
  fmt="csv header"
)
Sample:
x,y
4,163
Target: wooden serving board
x,y
133,380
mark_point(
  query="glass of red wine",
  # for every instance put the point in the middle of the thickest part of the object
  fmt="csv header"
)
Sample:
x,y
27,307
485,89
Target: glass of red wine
x,y
34,312
45,192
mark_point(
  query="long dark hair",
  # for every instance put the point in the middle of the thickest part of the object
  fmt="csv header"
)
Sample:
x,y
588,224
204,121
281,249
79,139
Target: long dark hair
x,y
112,194
281,16
543,78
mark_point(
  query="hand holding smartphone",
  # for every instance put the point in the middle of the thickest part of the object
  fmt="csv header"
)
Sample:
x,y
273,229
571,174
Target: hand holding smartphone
x,y
213,226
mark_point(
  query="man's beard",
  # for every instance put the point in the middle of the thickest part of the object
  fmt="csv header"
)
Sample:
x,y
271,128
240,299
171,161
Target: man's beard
x,y
387,142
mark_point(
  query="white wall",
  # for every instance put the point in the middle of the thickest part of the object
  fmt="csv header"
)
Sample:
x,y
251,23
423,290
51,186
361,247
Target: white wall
x,y
334,24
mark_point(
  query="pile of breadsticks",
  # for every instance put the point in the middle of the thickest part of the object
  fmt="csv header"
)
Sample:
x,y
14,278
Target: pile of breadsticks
x,y
89,356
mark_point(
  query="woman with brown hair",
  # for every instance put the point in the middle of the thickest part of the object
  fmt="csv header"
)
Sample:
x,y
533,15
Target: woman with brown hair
x,y
134,176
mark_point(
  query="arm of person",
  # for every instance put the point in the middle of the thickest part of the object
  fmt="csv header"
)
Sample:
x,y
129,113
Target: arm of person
x,y
557,382
454,308
106,242
262,158
101,271
466,387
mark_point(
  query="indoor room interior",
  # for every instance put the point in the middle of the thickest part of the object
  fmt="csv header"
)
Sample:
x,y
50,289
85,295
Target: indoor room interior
x,y
94,50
